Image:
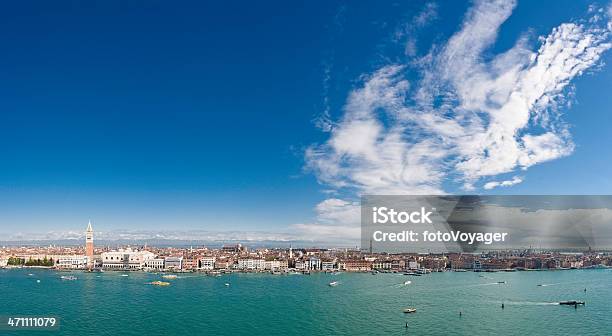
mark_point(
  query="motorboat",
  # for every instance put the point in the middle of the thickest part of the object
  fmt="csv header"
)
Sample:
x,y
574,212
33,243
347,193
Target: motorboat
x,y
571,303
159,283
409,310
170,276
68,277
333,283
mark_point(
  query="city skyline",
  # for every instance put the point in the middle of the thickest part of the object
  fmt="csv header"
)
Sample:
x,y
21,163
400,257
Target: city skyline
x,y
274,133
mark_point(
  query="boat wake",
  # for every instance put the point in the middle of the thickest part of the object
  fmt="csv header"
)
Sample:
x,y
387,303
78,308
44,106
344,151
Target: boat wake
x,y
528,303
546,285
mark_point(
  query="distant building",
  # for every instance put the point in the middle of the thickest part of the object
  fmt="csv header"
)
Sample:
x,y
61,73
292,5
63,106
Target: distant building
x,y
126,259
233,248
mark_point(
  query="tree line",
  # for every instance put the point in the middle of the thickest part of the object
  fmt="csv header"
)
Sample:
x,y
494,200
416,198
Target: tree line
x,y
14,261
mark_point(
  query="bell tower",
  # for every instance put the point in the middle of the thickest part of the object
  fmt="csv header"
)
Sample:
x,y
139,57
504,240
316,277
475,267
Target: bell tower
x,y
89,247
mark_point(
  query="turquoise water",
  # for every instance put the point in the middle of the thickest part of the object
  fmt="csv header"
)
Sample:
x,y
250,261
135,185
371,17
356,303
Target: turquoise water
x,y
362,304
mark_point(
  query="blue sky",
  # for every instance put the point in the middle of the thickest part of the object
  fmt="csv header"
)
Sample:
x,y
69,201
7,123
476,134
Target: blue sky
x,y
154,116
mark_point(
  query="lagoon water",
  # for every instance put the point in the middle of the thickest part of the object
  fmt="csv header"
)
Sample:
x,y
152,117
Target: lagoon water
x,y
362,304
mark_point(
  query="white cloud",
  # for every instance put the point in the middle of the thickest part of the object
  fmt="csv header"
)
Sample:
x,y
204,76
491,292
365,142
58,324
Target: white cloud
x,y
507,183
468,116
337,220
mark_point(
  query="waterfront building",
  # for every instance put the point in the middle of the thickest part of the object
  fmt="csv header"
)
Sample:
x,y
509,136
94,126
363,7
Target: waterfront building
x,y
174,263
73,261
126,259
276,265
381,265
223,264
206,263
328,265
356,265
156,264
190,264
89,245
299,265
251,264
313,263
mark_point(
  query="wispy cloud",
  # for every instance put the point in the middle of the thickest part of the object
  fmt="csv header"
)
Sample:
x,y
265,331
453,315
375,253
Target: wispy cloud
x,y
468,116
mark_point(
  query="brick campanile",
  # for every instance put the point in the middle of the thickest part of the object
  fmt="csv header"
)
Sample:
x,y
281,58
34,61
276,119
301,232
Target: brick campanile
x,y
89,247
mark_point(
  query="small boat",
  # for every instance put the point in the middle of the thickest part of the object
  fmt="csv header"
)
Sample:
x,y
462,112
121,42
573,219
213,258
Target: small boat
x,y
333,283
30,274
125,275
406,283
571,303
227,285
409,310
68,277
501,282
159,283
37,281
170,276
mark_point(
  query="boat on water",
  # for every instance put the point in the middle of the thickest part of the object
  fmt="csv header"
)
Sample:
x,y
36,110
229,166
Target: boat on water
x,y
68,277
159,283
227,285
333,283
406,283
409,310
125,275
412,273
501,282
170,276
571,303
